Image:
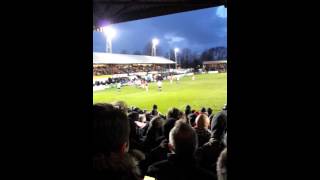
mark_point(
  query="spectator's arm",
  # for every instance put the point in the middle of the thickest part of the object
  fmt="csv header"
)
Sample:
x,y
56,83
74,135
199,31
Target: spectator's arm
x,y
152,171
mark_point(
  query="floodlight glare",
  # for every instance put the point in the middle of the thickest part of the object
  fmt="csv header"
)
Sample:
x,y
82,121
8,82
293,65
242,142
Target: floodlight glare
x,y
155,41
109,32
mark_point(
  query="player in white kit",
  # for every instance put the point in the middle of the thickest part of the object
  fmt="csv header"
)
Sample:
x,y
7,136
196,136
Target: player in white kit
x,y
159,85
119,86
147,86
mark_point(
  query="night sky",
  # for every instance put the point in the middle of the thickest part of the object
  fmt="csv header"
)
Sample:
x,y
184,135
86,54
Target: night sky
x,y
197,30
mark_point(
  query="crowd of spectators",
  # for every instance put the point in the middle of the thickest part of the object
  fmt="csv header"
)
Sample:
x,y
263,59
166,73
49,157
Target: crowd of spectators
x,y
125,69
218,67
131,143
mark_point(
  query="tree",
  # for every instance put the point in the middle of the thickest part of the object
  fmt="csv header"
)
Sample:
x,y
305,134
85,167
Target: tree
x,y
185,57
213,54
170,54
217,53
167,55
137,53
221,53
159,51
205,56
196,63
148,49
124,52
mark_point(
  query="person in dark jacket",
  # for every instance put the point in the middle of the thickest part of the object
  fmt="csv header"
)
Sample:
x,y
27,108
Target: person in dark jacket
x,y
210,115
207,155
219,125
135,141
160,152
110,144
210,111
154,133
173,115
154,111
181,163
203,110
121,105
202,124
192,119
187,112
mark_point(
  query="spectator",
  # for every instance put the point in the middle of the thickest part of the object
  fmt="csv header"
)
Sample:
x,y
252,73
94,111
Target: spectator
x,y
210,111
202,124
188,110
134,142
181,163
157,154
222,165
173,115
154,111
219,125
210,115
160,152
121,105
149,116
192,119
142,118
154,134
207,155
203,110
138,110
111,132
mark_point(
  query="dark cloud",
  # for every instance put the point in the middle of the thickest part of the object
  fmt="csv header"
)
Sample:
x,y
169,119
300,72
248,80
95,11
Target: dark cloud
x,y
197,30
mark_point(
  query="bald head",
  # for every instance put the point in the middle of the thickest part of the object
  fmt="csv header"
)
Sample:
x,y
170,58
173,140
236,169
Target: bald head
x,y
183,138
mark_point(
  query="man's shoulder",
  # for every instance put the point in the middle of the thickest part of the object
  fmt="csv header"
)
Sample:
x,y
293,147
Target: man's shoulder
x,y
159,164
209,146
205,174
157,167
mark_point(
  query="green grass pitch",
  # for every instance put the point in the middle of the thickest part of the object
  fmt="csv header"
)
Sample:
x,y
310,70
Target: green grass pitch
x,y
207,90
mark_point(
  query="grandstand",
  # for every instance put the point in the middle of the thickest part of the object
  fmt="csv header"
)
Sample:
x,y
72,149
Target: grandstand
x,y
110,64
219,66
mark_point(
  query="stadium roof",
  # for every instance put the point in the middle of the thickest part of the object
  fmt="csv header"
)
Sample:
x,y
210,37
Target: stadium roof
x,y
108,58
116,11
215,62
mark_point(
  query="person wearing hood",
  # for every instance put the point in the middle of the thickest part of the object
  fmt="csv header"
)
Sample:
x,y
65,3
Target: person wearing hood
x,y
207,155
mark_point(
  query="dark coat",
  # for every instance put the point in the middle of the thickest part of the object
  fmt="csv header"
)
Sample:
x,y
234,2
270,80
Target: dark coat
x,y
181,168
157,154
207,155
203,135
219,125
116,168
